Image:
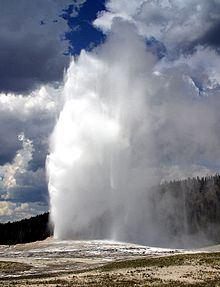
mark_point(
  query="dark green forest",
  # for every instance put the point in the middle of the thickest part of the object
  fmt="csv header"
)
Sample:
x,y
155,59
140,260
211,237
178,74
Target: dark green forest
x,y
26,230
186,213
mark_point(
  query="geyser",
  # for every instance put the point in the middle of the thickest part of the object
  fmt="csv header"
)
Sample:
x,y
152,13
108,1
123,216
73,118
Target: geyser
x,y
129,121
100,147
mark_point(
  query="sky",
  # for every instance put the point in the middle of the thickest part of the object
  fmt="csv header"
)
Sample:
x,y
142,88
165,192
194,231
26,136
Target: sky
x,y
38,39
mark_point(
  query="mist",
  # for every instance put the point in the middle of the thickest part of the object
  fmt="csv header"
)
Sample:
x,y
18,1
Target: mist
x,y
130,121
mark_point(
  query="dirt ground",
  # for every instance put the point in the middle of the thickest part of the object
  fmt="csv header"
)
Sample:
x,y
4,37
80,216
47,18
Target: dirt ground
x,y
103,263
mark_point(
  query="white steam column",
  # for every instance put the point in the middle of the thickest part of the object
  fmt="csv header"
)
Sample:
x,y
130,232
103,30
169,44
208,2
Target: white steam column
x,y
99,159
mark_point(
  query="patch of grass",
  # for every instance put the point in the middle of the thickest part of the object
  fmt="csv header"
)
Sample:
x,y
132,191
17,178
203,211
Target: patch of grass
x,y
8,267
207,283
212,259
36,276
102,278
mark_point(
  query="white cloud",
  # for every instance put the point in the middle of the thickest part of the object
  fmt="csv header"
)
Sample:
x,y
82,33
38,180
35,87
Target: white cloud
x,y
44,100
26,122
9,171
173,22
33,114
6,208
11,211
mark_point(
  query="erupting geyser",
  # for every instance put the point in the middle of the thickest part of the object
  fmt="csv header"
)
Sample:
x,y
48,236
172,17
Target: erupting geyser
x,y
100,148
129,121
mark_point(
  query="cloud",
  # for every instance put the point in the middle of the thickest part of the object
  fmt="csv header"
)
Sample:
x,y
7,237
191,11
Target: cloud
x,y
26,123
18,182
175,23
23,193
32,65
19,164
31,50
11,211
6,208
33,114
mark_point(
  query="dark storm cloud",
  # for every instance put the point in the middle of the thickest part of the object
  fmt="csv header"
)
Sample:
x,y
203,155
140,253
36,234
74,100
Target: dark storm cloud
x,y
24,66
9,130
212,37
8,147
210,24
31,187
209,35
31,53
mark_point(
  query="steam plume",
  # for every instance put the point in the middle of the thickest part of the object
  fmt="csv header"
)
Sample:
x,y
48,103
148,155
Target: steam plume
x,y
129,121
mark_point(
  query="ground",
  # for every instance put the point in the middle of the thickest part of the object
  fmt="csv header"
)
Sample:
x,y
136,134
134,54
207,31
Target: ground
x,y
102,263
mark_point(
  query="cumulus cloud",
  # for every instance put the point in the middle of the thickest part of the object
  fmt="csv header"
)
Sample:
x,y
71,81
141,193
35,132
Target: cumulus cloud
x,y
176,23
18,182
33,114
25,126
11,211
31,50
19,164
22,191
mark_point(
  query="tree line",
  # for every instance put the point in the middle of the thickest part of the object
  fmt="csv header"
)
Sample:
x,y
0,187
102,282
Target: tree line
x,y
188,211
25,230
185,213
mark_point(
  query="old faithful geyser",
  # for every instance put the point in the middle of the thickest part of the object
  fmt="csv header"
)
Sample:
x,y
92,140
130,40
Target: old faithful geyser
x,y
131,119
100,147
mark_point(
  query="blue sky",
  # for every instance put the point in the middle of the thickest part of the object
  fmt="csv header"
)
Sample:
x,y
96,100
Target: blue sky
x,y
82,34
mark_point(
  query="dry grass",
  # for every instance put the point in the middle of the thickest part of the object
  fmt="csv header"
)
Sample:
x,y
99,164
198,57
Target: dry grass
x,y
201,269
8,267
